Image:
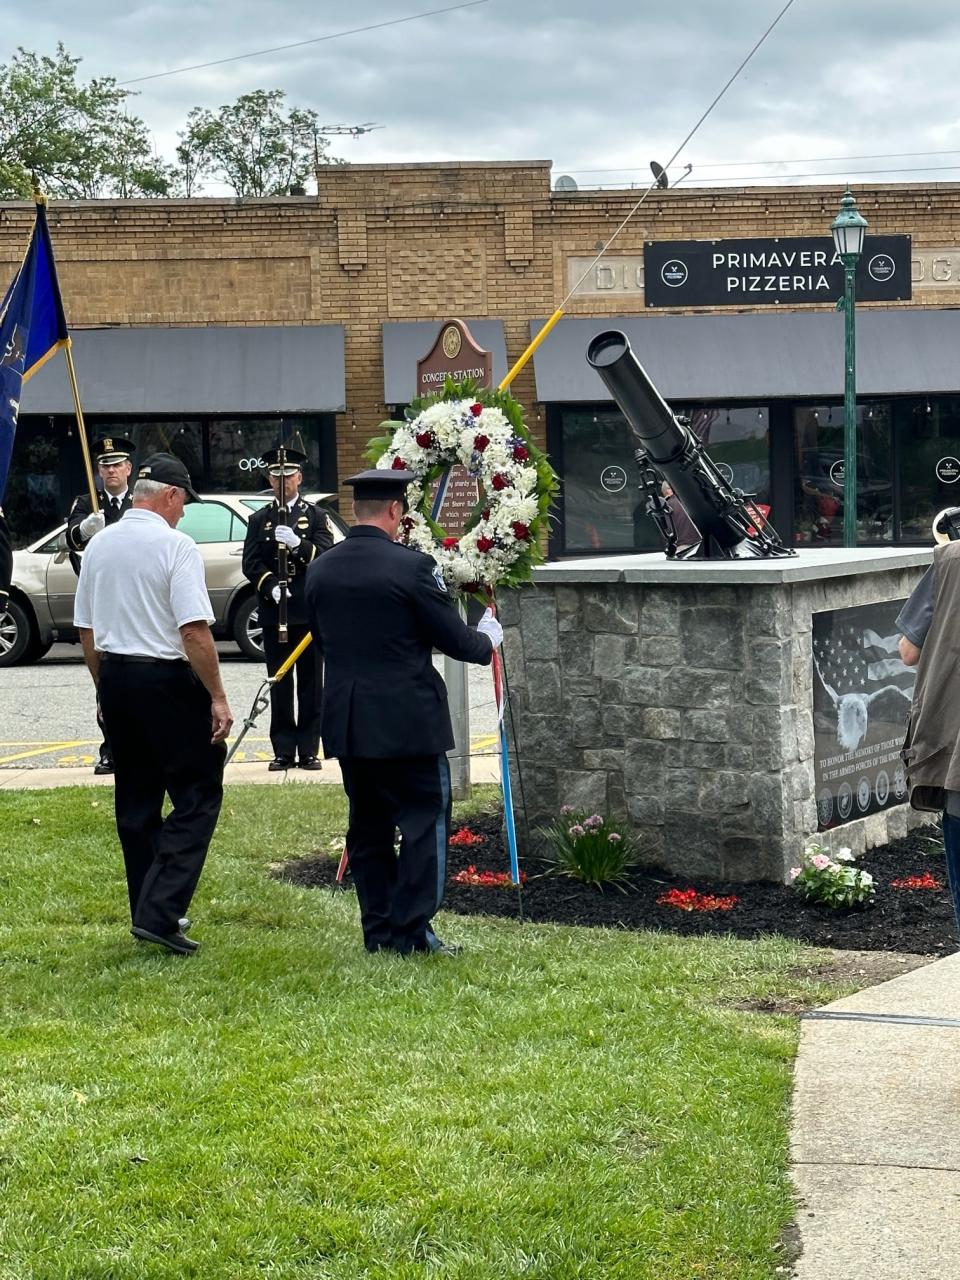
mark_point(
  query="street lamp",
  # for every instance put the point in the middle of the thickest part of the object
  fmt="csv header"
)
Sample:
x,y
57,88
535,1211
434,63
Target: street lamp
x,y
848,229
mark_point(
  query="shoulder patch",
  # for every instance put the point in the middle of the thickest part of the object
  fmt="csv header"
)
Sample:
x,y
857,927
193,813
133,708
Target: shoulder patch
x,y
438,579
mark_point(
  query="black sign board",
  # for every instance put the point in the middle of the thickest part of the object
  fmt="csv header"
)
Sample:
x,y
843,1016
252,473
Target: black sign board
x,y
861,696
763,273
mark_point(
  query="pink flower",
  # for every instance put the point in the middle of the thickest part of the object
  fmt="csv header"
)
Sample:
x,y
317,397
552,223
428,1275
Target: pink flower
x,y
566,808
593,821
820,861
577,831
613,837
793,873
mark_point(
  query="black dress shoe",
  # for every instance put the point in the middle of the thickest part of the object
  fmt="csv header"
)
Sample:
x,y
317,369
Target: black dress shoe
x,y
311,762
177,942
103,765
280,762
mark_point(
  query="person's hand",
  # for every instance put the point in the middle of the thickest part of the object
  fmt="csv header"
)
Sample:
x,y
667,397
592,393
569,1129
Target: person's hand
x,y
491,628
221,718
91,524
275,593
283,533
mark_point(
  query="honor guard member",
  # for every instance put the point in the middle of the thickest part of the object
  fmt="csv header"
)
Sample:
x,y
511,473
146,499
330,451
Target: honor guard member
x,y
6,563
379,609
113,456
144,617
296,531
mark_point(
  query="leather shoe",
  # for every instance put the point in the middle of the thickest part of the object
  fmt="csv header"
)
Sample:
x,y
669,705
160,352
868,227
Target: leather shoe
x,y
280,762
103,765
311,762
177,942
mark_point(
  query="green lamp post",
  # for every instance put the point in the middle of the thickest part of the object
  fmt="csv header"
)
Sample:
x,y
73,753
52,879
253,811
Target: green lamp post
x,y
848,229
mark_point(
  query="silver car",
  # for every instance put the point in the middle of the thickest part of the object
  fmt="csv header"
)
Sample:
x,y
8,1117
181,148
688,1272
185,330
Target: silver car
x,y
40,610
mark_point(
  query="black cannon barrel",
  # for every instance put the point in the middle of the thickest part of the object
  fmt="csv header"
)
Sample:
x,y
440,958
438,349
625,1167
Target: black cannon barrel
x,y
667,441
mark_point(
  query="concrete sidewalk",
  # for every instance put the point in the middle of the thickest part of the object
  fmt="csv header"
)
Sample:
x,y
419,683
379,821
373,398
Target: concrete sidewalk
x,y
483,768
875,1145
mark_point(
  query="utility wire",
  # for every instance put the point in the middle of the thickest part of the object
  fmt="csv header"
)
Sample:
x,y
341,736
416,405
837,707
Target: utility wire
x,y
739,164
299,44
773,178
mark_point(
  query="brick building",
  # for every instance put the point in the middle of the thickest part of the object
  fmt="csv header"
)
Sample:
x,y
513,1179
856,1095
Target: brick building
x,y
200,324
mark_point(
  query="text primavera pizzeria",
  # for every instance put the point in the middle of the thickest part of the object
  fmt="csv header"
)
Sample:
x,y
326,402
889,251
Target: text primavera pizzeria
x,y
813,279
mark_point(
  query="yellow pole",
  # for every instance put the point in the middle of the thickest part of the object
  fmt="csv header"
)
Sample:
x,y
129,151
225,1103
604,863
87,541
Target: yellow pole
x,y
557,315
87,463
291,659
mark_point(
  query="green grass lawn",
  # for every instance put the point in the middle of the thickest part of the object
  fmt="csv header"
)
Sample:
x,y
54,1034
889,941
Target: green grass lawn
x,y
554,1103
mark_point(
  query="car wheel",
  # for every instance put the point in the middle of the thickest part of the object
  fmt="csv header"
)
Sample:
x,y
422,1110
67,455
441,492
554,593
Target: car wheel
x,y
16,635
247,630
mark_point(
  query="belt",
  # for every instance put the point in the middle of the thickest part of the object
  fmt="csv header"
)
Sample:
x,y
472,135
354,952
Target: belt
x,y
136,657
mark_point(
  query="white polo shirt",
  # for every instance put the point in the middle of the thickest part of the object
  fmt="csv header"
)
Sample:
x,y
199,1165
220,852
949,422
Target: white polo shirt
x,y
140,582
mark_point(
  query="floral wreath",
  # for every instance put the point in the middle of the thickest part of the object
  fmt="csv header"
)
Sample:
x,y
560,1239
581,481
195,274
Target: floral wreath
x,y
484,432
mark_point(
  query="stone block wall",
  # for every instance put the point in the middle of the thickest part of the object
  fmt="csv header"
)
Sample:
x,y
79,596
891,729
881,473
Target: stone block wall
x,y
687,708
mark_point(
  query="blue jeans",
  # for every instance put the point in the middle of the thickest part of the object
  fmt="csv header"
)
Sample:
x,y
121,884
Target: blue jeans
x,y
951,846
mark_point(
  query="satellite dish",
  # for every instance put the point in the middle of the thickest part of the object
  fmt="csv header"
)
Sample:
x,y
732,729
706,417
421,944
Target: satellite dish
x,y
659,173
565,183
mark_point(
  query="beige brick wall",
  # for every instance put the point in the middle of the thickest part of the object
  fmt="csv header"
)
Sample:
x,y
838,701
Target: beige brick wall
x,y
407,242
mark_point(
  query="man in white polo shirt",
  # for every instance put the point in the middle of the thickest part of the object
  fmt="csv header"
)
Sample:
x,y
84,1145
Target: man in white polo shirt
x,y
144,617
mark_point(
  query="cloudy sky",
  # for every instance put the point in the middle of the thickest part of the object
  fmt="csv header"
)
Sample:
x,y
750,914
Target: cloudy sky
x,y
598,88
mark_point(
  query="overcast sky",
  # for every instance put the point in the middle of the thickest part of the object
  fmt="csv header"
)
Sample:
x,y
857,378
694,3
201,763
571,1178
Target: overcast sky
x,y
599,88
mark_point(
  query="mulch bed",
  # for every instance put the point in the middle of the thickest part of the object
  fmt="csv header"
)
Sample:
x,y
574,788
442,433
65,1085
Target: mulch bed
x,y
910,920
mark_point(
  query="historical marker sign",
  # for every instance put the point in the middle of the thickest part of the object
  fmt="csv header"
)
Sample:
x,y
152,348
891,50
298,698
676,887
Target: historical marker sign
x,y
455,355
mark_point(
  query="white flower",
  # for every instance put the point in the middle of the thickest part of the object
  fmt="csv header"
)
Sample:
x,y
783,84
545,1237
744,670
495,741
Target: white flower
x,y
844,855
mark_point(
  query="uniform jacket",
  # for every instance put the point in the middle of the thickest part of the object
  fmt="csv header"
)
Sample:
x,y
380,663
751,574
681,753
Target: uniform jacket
x,y
378,611
931,752
261,559
6,561
79,511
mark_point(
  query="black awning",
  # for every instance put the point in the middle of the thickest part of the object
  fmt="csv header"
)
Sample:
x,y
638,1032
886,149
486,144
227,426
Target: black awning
x,y
405,341
774,355
231,369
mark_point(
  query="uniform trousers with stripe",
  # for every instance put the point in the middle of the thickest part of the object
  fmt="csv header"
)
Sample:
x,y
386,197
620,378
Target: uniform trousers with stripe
x,y
398,890
157,714
294,733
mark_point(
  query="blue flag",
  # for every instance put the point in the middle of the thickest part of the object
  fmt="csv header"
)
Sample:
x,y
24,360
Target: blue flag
x,y
32,328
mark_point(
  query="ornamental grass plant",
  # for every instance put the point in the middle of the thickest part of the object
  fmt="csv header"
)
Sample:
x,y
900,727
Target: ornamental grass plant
x,y
591,848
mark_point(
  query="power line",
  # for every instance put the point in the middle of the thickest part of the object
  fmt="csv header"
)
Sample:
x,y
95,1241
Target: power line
x,y
787,177
730,164
299,44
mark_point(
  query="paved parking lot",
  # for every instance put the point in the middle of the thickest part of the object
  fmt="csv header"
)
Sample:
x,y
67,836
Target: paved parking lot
x,y
47,710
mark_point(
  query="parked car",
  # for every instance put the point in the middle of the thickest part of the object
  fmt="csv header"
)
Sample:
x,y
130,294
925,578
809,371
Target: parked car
x,y
40,610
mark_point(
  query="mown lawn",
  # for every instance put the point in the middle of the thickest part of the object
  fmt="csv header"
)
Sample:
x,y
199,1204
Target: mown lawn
x,y
554,1103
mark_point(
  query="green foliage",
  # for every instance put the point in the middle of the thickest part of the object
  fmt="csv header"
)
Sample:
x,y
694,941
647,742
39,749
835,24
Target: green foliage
x,y
832,882
591,848
78,138
256,145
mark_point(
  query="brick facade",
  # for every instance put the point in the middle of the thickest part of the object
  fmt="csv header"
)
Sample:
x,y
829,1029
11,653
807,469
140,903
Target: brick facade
x,y
428,241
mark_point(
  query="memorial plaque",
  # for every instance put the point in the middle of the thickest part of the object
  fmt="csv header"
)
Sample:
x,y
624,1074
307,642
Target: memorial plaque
x,y
861,696
455,355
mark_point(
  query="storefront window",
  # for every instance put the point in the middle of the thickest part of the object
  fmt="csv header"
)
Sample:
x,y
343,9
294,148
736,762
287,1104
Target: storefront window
x,y
819,474
928,438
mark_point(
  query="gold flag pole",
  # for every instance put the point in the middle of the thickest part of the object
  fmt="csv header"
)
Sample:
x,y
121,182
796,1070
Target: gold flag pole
x,y
40,199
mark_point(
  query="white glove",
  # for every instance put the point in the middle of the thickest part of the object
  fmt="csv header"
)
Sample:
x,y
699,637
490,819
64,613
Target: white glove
x,y
275,592
283,533
91,524
491,628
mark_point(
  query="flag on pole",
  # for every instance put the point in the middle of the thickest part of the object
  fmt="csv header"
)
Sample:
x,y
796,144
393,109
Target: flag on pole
x,y
32,329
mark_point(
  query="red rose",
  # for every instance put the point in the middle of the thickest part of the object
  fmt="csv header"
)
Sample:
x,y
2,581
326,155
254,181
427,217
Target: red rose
x,y
476,410
485,514
500,482
398,464
485,544
521,454
406,523
450,542
480,443
471,588
520,531
424,439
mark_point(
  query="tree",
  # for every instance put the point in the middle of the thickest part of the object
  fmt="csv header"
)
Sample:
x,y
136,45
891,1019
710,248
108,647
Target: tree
x,y
255,145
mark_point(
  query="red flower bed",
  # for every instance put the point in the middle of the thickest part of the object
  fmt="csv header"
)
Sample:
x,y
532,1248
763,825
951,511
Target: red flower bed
x,y
465,837
690,900
926,881
486,879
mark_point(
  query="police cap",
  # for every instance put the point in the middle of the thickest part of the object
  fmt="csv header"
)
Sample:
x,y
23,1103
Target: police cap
x,y
166,469
293,462
109,449
380,485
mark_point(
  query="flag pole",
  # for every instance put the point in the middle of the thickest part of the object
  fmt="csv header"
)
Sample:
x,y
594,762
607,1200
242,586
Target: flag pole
x,y
40,200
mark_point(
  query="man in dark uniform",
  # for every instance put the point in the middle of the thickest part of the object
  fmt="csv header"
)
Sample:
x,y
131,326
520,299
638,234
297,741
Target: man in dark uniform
x,y
114,458
378,610
6,562
300,530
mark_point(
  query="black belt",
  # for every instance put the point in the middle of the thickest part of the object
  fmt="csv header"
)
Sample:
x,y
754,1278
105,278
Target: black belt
x,y
135,657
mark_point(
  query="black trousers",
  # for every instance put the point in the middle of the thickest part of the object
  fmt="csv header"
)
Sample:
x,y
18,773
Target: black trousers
x,y
398,891
157,715
294,734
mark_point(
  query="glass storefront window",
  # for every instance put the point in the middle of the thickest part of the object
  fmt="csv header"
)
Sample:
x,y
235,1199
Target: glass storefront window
x,y
928,439
818,435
